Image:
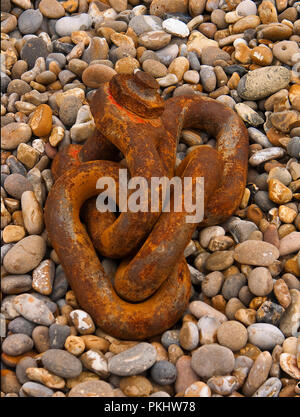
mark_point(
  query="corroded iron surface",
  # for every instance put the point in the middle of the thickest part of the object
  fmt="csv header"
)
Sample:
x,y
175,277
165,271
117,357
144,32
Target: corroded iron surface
x,y
151,288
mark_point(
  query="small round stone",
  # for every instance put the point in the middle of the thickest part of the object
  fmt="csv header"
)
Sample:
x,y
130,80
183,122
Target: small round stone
x,y
30,21
233,335
265,336
163,373
212,360
97,74
13,134
61,363
82,321
260,281
17,344
253,252
92,389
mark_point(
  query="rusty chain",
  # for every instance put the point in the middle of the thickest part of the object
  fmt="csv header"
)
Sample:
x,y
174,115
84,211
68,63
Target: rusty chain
x,y
151,288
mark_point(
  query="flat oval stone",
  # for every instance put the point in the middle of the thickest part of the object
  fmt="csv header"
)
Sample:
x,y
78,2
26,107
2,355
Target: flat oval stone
x,y
270,388
97,74
16,284
212,360
92,389
17,344
13,134
133,361
66,25
25,255
289,244
33,309
263,82
265,336
258,373
265,155
257,253
34,389
61,363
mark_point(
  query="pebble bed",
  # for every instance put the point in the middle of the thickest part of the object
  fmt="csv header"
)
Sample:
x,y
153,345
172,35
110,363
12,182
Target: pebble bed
x,y
240,334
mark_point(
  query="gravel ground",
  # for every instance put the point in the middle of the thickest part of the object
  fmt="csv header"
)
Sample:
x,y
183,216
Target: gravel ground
x,y
240,333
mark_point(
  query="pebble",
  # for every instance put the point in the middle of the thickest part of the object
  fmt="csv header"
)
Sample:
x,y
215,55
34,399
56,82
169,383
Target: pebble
x,y
212,360
13,134
208,327
136,386
33,49
32,213
68,110
154,40
258,373
66,25
198,389
22,366
278,192
176,27
45,377
270,388
142,24
97,74
223,385
232,285
232,335
269,312
282,293
51,9
163,372
95,361
248,115
200,309
189,336
16,284
33,309
25,255
170,337
21,325
265,155
17,344
253,252
290,243
290,320
57,335
265,336
82,321
30,21
288,363
212,283
34,389
92,389
219,260
185,374
260,281
61,363
133,361
263,82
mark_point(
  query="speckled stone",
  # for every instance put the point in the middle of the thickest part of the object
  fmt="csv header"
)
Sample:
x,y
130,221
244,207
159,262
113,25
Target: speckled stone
x,y
133,361
61,363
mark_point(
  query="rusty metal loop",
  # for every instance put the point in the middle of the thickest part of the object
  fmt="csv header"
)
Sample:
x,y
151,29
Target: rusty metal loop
x,y
151,287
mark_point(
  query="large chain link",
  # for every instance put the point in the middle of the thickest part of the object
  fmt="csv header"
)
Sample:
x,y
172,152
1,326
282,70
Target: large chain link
x,y
151,288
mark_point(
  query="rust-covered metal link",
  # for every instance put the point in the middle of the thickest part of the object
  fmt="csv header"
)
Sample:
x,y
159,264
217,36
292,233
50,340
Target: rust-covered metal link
x,y
151,288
